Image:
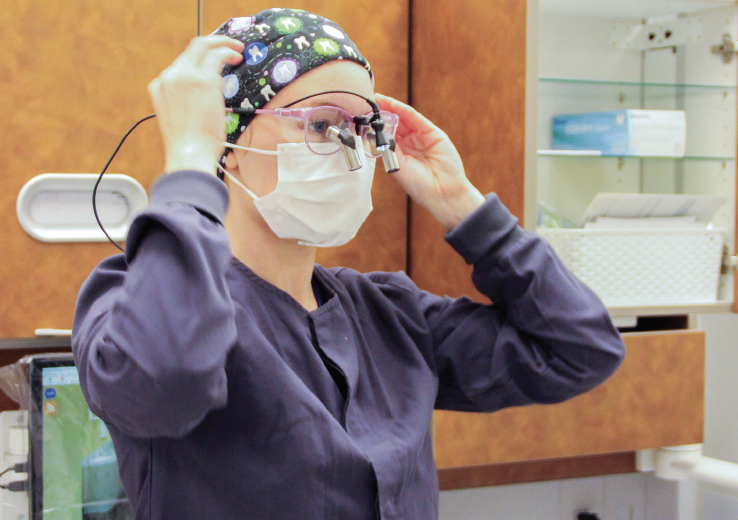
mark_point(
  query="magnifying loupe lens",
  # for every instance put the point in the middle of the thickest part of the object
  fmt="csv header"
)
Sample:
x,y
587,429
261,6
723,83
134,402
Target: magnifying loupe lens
x,y
319,121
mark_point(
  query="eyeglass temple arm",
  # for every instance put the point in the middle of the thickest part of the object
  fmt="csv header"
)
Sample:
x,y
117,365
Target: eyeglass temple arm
x,y
241,111
295,114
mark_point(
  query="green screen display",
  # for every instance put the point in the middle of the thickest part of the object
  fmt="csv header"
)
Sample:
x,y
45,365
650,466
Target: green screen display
x,y
80,471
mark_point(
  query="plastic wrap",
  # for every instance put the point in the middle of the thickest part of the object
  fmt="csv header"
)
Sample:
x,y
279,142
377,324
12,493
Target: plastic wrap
x,y
72,470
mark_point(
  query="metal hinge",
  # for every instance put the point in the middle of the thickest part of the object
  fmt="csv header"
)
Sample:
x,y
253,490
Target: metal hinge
x,y
728,260
727,48
657,33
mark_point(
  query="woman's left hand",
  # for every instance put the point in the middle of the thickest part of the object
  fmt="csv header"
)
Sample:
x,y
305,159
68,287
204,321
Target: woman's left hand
x,y
431,171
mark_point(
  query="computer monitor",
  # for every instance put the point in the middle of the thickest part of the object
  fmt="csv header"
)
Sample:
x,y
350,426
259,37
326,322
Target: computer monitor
x,y
73,470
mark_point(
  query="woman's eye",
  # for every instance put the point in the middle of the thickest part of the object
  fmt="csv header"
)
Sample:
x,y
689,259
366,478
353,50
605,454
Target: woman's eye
x,y
318,127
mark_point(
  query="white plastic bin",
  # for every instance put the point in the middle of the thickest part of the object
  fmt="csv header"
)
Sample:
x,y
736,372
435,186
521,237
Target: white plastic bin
x,y
627,267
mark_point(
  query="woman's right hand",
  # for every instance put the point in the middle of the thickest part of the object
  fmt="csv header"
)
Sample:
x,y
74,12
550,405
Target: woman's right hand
x,y
189,104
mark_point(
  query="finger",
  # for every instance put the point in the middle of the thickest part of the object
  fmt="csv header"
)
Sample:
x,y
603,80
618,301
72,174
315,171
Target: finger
x,y
214,59
155,92
202,44
410,119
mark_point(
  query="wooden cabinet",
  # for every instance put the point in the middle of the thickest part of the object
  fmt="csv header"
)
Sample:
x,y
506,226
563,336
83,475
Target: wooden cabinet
x,y
69,94
468,77
473,88
655,399
73,80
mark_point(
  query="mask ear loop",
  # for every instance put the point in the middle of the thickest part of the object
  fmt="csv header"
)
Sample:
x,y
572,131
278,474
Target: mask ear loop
x,y
246,148
231,176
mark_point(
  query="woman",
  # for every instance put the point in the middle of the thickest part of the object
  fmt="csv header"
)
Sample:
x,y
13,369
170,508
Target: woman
x,y
241,380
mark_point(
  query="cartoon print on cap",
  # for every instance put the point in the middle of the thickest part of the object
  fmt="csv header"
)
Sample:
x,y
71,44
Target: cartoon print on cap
x,y
280,44
255,53
241,24
230,86
326,47
231,122
333,32
284,71
288,24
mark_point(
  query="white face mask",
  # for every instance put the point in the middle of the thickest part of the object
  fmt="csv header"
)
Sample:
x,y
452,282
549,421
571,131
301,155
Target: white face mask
x,y
317,201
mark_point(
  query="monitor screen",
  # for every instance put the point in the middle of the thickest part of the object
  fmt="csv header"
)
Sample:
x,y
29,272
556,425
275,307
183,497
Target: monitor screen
x,y
74,468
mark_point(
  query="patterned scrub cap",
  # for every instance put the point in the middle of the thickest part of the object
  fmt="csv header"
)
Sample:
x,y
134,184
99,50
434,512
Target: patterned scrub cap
x,y
280,45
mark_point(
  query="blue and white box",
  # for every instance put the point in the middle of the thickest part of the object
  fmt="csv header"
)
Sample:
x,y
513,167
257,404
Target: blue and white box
x,y
642,133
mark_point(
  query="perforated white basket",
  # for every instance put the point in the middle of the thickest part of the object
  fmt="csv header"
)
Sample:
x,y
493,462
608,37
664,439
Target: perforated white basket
x,y
643,267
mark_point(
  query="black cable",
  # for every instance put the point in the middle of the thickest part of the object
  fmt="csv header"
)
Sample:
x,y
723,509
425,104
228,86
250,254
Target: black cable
x,y
15,486
20,467
372,104
94,190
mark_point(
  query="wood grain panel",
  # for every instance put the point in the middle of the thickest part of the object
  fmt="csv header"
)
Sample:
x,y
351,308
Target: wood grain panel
x,y
73,80
655,399
380,31
536,471
468,77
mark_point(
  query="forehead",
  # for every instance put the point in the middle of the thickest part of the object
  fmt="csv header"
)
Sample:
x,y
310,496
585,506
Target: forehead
x,y
334,75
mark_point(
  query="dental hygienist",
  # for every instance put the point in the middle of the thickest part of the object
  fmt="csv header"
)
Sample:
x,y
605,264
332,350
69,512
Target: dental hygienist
x,y
238,379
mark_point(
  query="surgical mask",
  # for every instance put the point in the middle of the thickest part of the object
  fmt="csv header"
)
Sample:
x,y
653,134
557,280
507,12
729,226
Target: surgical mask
x,y
317,201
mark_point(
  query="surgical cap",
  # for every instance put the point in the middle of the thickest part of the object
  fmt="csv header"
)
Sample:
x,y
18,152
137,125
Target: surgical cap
x,y
280,45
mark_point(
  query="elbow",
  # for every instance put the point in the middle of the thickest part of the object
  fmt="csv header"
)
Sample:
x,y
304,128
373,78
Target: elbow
x,y
608,358
158,409
568,378
618,354
606,353
148,403
598,355
601,362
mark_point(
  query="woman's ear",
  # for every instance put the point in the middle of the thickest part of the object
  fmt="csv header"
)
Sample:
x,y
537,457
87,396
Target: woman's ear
x,y
244,139
231,163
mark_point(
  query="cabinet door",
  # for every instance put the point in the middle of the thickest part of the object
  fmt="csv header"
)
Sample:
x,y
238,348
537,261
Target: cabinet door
x,y
655,399
586,65
468,77
73,80
380,30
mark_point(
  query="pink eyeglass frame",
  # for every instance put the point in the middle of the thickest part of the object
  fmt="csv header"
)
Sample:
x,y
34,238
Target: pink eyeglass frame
x,y
361,122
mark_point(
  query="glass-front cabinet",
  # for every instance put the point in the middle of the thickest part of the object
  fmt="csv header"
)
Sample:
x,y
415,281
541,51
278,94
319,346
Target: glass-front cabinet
x,y
630,58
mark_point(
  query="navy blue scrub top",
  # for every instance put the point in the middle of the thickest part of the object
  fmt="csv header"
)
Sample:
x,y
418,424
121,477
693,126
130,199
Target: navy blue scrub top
x,y
226,399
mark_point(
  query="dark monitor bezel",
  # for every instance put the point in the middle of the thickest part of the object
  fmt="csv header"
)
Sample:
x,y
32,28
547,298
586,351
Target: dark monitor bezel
x,y
35,424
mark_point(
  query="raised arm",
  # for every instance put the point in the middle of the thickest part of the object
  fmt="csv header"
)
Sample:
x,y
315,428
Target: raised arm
x,y
152,328
546,338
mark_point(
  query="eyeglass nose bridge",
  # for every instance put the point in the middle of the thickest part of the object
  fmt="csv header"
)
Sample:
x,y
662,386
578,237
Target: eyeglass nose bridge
x,y
361,122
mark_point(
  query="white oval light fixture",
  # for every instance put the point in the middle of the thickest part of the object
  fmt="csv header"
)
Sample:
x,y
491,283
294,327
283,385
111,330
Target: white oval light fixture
x,y
57,207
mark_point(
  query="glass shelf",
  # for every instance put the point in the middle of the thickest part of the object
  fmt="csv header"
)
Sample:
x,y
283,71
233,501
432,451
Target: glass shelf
x,y
633,84
599,155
